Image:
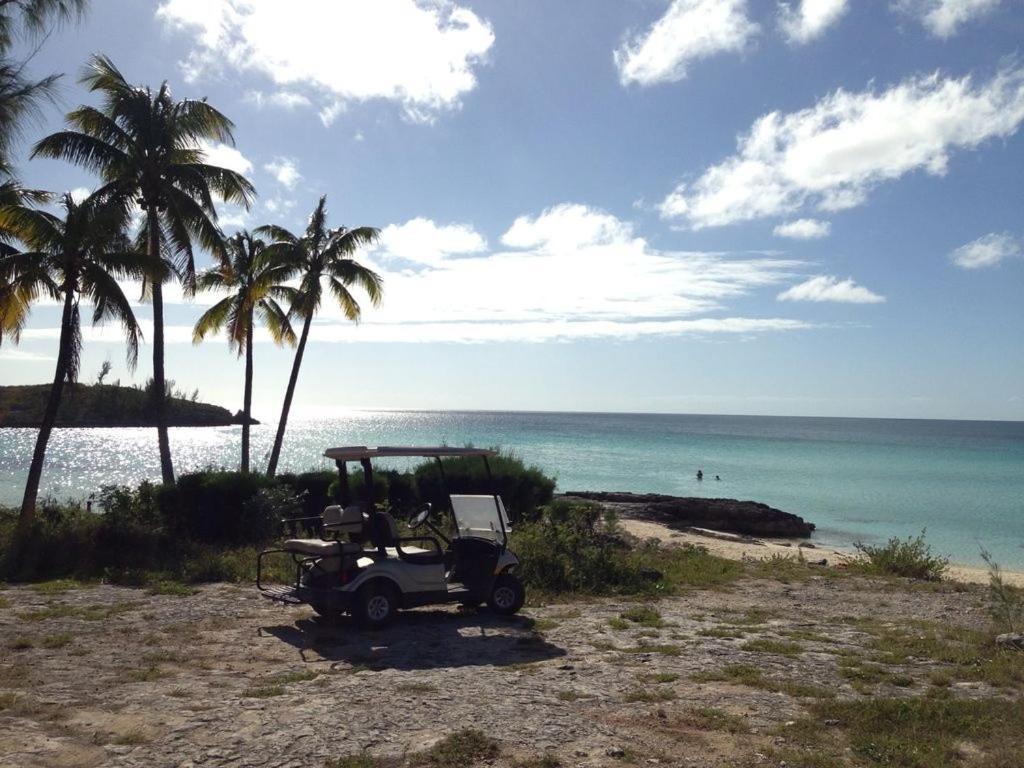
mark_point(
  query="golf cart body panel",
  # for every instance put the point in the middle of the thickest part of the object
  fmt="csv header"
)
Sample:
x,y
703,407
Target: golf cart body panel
x,y
334,575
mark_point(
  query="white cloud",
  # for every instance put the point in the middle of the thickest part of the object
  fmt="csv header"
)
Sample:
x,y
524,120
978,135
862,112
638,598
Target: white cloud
x,y
421,241
565,227
943,18
570,272
804,229
471,333
226,156
831,155
689,30
422,54
810,20
987,251
826,288
24,356
278,205
572,269
78,194
285,170
283,99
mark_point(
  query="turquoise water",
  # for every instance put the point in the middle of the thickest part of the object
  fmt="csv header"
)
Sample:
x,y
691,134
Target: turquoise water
x,y
855,478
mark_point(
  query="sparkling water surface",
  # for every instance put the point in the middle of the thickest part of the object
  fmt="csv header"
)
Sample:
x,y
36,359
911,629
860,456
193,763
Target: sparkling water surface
x,y
855,478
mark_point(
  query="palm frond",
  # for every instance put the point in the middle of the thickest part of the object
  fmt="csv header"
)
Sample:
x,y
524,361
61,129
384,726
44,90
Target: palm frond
x,y
276,321
212,320
109,302
81,149
345,299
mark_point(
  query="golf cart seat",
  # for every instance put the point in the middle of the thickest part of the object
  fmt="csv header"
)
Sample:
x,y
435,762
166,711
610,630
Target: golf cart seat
x,y
335,520
321,548
385,535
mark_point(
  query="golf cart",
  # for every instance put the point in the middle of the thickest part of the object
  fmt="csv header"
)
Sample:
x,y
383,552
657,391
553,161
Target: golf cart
x,y
362,565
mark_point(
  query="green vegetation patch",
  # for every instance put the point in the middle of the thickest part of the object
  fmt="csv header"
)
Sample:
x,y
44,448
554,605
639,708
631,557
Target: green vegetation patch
x,y
752,677
928,732
86,612
911,558
173,588
712,719
644,615
767,645
461,748
649,695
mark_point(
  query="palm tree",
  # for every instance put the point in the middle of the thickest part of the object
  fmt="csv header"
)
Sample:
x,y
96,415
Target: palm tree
x,y
146,147
20,96
79,256
321,254
254,281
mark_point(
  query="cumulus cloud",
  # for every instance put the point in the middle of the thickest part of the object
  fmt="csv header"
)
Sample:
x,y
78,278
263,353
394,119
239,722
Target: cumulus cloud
x,y
283,99
943,18
423,242
689,30
420,54
285,170
831,155
987,251
810,19
569,272
226,156
827,288
804,229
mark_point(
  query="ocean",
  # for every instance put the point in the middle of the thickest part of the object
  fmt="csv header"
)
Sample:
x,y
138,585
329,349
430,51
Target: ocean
x,y
856,479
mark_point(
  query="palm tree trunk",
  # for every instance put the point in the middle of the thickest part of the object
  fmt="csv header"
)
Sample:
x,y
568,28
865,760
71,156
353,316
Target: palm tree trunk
x,y
247,400
275,454
159,379
35,471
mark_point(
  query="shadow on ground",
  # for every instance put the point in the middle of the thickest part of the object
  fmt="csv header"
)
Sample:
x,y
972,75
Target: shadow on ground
x,y
421,640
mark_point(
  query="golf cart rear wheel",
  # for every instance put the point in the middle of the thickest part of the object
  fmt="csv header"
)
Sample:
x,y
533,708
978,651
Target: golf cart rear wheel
x,y
376,605
507,595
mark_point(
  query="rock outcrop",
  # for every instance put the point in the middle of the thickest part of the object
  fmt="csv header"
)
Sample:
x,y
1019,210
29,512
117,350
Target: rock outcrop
x,y
746,517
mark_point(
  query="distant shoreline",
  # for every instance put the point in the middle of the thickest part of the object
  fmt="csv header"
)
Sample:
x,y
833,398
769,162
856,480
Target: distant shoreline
x,y
105,406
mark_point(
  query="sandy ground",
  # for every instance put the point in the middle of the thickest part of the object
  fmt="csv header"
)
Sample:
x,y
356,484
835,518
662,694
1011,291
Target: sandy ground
x,y
113,676
763,549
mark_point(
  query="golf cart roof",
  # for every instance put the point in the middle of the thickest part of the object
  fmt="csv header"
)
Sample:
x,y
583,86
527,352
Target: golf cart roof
x,y
358,452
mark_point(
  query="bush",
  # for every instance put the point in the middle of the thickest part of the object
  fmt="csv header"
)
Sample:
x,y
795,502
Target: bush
x,y
523,489
218,508
1005,602
911,557
577,547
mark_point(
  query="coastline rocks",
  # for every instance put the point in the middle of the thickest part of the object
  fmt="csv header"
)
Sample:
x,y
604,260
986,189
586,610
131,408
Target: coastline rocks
x,y
678,512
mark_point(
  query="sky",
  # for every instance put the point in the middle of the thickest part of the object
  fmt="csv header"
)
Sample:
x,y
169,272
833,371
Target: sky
x,y
697,206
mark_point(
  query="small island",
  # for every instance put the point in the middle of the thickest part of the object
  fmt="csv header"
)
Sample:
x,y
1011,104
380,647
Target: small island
x,y
106,405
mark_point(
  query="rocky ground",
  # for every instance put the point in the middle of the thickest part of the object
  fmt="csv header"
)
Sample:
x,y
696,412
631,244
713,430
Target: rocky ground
x,y
105,675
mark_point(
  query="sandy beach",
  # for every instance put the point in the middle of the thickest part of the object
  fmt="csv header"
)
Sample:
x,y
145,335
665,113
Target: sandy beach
x,y
747,548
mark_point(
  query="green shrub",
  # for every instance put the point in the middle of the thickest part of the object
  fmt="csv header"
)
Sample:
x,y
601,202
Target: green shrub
x,y
218,507
911,557
1005,602
568,550
523,489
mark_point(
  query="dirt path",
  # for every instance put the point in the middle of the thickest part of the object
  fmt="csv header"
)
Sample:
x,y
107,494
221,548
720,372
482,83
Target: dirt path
x,y
113,676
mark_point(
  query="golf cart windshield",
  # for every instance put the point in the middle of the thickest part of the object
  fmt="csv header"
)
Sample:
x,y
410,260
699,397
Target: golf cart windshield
x,y
478,517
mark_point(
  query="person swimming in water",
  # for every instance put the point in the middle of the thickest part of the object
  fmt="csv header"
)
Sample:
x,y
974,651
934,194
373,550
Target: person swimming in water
x,y
717,477
700,474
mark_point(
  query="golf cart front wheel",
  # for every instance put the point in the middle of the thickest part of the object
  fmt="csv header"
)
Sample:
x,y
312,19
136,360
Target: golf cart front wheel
x,y
507,595
375,605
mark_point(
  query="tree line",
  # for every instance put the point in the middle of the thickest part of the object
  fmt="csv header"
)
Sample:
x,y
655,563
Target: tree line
x,y
154,206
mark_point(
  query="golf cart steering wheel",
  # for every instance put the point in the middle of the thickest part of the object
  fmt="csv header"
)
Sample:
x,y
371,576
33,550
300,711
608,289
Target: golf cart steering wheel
x,y
421,517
